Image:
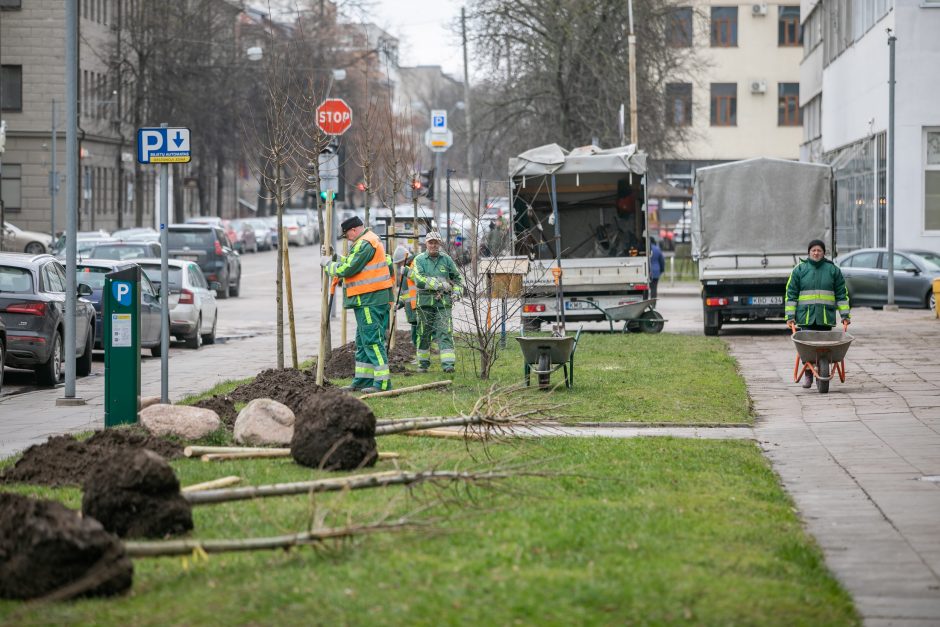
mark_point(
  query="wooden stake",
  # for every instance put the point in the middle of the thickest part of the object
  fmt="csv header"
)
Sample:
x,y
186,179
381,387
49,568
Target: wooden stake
x,y
409,390
196,451
343,309
270,453
327,239
442,433
290,301
222,482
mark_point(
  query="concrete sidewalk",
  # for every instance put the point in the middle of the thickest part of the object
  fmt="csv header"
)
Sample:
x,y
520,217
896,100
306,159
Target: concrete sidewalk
x,y
858,461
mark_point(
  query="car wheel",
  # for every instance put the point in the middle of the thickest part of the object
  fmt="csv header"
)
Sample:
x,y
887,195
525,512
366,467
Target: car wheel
x,y
931,301
34,248
238,287
209,338
2,358
194,340
83,363
50,372
223,293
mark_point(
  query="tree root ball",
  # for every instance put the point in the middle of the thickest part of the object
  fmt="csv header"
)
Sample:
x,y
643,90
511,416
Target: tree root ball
x,y
45,546
135,494
334,431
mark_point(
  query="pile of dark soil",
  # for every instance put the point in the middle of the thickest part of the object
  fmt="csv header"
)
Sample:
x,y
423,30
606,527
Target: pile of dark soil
x,y
288,386
63,460
334,431
135,494
45,546
224,406
342,363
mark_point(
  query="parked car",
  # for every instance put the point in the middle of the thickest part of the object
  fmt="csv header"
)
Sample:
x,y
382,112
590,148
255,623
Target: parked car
x,y
32,307
91,272
245,239
17,240
84,241
209,247
265,236
307,219
271,223
296,233
3,351
866,275
124,250
193,311
137,234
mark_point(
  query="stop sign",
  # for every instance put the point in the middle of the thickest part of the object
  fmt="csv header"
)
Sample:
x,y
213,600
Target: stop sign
x,y
334,117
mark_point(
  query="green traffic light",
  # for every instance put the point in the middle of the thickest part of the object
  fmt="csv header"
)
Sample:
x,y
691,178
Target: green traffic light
x,y
324,193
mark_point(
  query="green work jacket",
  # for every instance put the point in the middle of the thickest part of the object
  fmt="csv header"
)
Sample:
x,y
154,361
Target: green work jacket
x,y
815,290
359,255
429,274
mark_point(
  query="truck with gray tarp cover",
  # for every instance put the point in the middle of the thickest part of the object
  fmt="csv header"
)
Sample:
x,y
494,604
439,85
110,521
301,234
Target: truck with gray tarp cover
x,y
751,223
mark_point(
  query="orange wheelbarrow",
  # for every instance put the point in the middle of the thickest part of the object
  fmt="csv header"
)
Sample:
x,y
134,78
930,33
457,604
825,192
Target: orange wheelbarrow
x,y
822,353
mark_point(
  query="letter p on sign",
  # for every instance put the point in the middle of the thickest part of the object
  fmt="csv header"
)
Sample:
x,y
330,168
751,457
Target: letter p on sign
x,y
121,290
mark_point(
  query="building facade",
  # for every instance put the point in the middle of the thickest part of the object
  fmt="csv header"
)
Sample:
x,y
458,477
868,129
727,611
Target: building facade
x,y
844,96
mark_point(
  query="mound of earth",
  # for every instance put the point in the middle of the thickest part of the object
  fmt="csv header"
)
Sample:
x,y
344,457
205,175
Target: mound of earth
x,y
135,494
342,362
45,546
63,460
286,385
334,431
222,405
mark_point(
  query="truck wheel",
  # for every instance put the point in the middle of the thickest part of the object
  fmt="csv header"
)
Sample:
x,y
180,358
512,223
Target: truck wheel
x,y
711,331
822,367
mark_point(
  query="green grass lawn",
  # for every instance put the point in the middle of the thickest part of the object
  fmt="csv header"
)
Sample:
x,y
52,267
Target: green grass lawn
x,y
640,531
635,377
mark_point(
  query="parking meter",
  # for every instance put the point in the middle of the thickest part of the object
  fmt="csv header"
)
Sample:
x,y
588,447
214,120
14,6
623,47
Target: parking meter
x,y
121,339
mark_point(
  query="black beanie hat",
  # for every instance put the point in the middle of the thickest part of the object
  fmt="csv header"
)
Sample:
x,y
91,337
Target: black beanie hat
x,y
350,223
817,242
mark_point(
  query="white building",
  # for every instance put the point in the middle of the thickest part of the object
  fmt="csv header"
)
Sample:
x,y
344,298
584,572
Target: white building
x,y
844,96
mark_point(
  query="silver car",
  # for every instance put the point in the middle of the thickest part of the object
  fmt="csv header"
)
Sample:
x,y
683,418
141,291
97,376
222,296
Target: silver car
x,y
866,276
193,311
17,240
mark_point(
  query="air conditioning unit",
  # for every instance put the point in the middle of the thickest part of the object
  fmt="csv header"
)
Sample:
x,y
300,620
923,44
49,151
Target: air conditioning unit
x,y
758,87
758,10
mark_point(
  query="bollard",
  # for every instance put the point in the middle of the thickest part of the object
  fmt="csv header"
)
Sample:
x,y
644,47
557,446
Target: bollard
x,y
936,297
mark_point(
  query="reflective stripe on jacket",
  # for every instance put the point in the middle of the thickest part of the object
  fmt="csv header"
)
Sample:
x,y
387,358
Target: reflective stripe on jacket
x,y
374,276
815,291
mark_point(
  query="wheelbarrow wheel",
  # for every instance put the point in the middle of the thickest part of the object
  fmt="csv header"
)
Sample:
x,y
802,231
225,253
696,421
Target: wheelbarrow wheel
x,y
822,367
545,364
651,321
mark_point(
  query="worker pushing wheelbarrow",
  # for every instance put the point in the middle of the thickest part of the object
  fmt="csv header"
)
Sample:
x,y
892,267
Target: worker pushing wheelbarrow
x,y
815,291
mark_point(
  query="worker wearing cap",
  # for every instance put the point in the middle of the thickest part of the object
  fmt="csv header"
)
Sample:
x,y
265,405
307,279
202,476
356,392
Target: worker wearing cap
x,y
438,281
409,299
367,284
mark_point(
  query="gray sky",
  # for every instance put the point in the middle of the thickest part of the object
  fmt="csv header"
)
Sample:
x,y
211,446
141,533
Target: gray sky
x,y
423,28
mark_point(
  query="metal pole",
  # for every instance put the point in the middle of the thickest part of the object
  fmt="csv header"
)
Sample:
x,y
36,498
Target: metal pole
x,y
891,40
437,189
54,177
71,160
631,44
447,235
559,287
466,98
164,284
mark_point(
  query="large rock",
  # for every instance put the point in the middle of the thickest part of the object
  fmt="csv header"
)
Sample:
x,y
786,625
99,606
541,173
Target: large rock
x,y
189,423
263,421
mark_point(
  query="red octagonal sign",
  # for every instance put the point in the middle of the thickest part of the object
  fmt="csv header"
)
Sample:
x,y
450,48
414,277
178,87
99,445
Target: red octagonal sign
x,y
334,117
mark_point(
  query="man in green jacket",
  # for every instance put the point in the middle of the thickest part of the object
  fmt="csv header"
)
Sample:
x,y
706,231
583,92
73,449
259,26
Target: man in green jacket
x,y
367,284
815,291
439,283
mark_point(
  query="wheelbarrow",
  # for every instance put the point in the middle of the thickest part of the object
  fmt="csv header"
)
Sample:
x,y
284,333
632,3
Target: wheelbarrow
x,y
545,355
823,354
637,317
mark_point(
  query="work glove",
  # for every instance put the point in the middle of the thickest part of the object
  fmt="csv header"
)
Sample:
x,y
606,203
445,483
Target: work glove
x,y
445,287
325,260
322,249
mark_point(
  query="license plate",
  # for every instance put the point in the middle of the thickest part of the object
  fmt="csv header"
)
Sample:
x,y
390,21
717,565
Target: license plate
x,y
577,305
188,257
765,300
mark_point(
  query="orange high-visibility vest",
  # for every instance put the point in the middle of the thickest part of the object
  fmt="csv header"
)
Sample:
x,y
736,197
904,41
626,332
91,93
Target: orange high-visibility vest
x,y
412,293
375,275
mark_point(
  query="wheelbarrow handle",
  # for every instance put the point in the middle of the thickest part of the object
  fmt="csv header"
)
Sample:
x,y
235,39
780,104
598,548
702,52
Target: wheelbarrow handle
x,y
845,324
792,325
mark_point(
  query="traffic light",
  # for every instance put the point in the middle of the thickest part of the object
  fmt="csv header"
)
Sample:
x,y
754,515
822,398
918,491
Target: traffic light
x,y
426,181
361,187
416,185
324,192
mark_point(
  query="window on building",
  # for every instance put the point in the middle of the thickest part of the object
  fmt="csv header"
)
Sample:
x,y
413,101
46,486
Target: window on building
x,y
7,5
812,119
679,28
724,104
788,104
932,182
11,189
11,83
789,32
812,30
679,104
724,27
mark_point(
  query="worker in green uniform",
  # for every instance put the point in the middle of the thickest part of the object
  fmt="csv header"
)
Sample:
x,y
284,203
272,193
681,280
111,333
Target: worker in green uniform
x,y
407,300
815,291
367,284
438,281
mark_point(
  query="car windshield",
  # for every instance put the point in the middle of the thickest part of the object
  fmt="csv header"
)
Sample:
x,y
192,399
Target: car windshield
x,y
175,275
16,280
195,238
120,252
92,276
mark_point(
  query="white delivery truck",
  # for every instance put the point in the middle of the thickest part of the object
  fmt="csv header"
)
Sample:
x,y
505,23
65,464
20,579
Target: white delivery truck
x,y
751,223
584,211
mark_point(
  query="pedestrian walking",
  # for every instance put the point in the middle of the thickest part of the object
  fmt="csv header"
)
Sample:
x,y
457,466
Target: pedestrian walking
x,y
367,284
657,266
815,291
438,281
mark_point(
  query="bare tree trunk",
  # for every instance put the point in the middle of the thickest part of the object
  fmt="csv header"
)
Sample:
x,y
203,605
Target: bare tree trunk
x,y
281,245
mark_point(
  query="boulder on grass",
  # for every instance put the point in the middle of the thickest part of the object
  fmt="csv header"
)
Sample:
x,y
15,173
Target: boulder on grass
x,y
189,423
264,421
147,401
45,546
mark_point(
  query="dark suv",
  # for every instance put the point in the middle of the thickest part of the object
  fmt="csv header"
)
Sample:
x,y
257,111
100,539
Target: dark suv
x,y
209,247
32,306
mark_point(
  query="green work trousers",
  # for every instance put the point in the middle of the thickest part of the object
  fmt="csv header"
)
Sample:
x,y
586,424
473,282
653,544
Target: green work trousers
x,y
372,367
434,325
